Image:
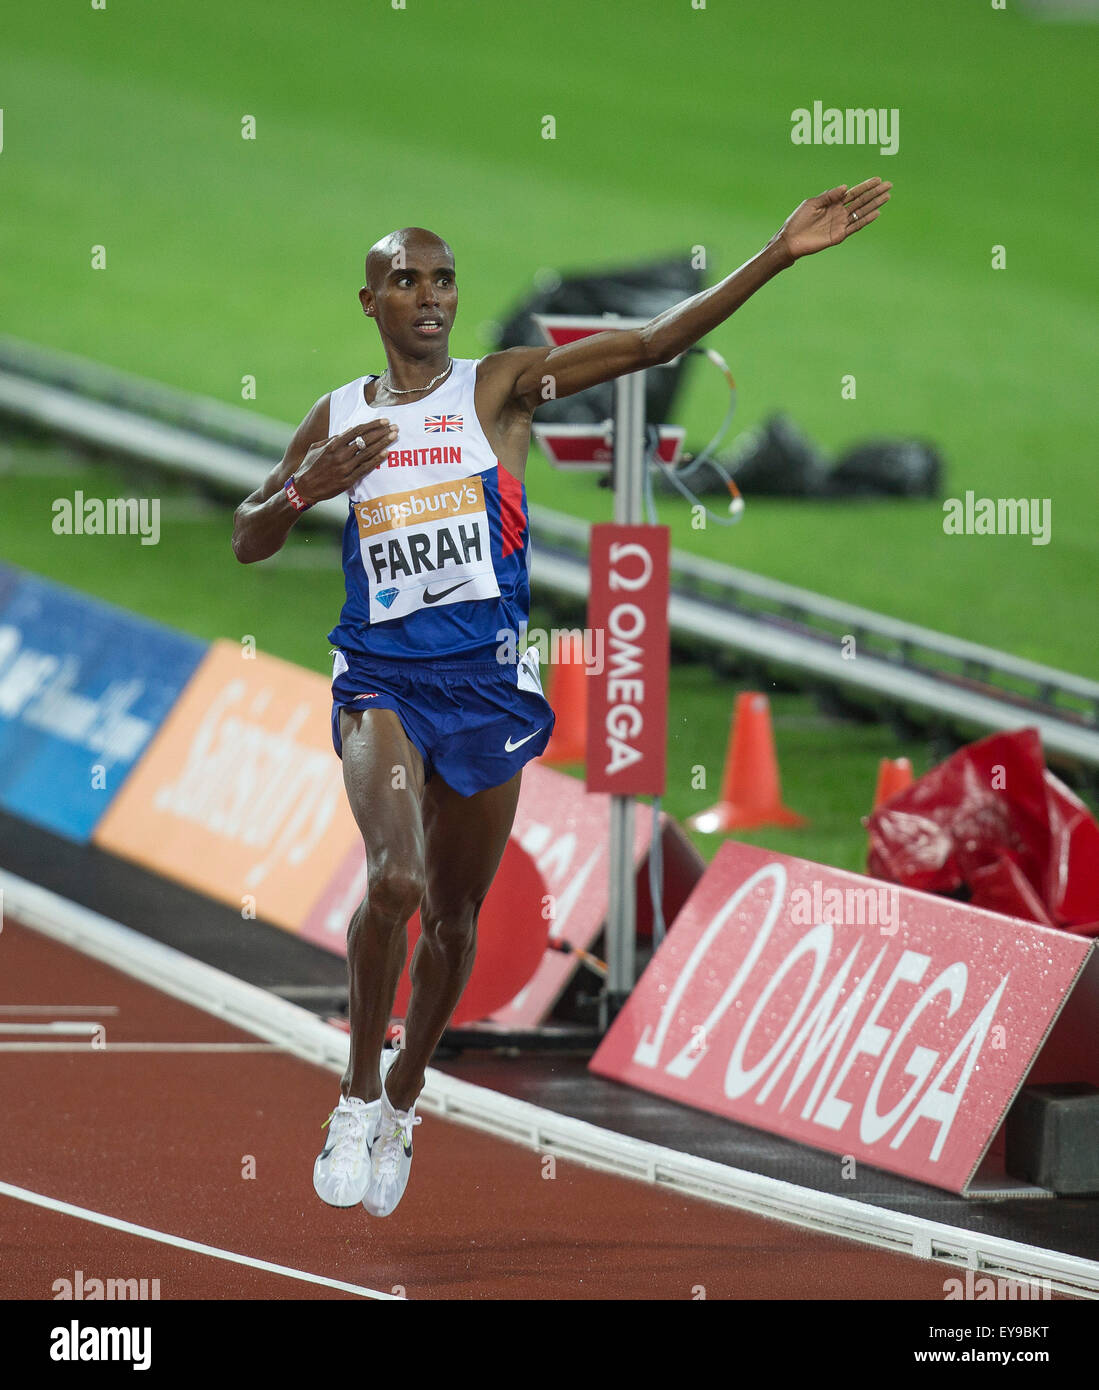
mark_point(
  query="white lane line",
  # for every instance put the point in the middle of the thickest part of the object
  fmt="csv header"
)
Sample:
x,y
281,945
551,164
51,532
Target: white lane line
x,y
58,1008
140,1047
21,1194
75,1028
309,991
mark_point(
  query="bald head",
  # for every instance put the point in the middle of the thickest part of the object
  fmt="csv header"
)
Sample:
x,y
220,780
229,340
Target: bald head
x,y
395,251
411,292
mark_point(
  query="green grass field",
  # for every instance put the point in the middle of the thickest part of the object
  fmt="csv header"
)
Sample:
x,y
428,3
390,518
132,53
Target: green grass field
x,y
228,258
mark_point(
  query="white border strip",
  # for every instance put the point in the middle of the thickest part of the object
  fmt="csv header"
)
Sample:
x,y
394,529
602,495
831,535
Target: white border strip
x,y
300,1032
98,1218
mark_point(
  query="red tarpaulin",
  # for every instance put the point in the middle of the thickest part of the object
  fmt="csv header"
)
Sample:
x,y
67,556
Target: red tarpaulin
x,y
993,826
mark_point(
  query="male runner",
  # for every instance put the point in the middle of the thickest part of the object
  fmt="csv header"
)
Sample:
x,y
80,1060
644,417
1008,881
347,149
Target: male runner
x,y
432,726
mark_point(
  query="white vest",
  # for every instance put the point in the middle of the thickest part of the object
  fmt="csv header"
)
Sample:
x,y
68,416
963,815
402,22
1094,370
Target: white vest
x,y
424,537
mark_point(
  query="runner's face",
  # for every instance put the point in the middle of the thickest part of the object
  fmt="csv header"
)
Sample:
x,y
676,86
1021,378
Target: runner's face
x,y
416,304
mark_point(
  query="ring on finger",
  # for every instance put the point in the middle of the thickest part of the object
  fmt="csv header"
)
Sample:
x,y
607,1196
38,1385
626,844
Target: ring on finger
x,y
359,442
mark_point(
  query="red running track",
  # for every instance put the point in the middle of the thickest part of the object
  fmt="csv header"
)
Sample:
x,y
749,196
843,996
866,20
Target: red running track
x,y
164,1138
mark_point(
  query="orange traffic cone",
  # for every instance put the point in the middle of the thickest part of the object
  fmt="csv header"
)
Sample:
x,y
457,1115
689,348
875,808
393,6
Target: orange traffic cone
x,y
894,774
750,791
568,695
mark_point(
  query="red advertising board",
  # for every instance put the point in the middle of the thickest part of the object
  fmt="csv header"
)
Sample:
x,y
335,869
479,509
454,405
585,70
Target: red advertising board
x,y
628,696
844,1012
567,833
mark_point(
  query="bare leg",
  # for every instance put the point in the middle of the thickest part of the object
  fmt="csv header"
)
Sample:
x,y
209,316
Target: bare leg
x,y
384,777
465,838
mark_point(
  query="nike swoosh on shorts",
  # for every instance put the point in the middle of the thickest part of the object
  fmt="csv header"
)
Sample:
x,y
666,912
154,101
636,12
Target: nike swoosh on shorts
x,y
510,747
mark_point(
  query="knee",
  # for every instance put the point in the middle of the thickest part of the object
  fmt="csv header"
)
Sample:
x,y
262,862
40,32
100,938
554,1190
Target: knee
x,y
394,889
453,932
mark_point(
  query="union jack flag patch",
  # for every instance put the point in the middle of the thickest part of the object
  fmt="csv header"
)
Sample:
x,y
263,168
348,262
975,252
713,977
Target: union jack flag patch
x,y
440,424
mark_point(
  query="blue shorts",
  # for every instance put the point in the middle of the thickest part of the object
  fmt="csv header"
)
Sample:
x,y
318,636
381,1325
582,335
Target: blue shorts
x,y
474,724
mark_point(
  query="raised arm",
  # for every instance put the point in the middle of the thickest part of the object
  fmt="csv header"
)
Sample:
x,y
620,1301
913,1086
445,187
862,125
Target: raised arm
x,y
535,375
322,467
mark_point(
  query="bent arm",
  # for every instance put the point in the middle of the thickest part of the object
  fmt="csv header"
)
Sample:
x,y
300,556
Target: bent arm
x,y
263,520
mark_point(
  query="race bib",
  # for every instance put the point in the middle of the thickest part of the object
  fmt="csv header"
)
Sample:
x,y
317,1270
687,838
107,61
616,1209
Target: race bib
x,y
425,547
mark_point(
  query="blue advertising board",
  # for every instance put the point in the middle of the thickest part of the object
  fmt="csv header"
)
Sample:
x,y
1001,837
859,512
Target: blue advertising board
x,y
8,579
84,687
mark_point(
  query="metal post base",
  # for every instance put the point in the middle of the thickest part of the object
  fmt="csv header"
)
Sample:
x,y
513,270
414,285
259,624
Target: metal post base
x,y
611,1003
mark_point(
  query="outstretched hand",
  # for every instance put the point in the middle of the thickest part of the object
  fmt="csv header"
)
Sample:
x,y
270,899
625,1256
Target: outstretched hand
x,y
833,216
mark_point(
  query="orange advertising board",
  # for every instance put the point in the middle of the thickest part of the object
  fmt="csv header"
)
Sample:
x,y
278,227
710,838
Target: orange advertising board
x,y
240,795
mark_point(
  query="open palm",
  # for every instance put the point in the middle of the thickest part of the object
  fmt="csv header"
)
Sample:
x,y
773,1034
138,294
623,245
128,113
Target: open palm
x,y
833,216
